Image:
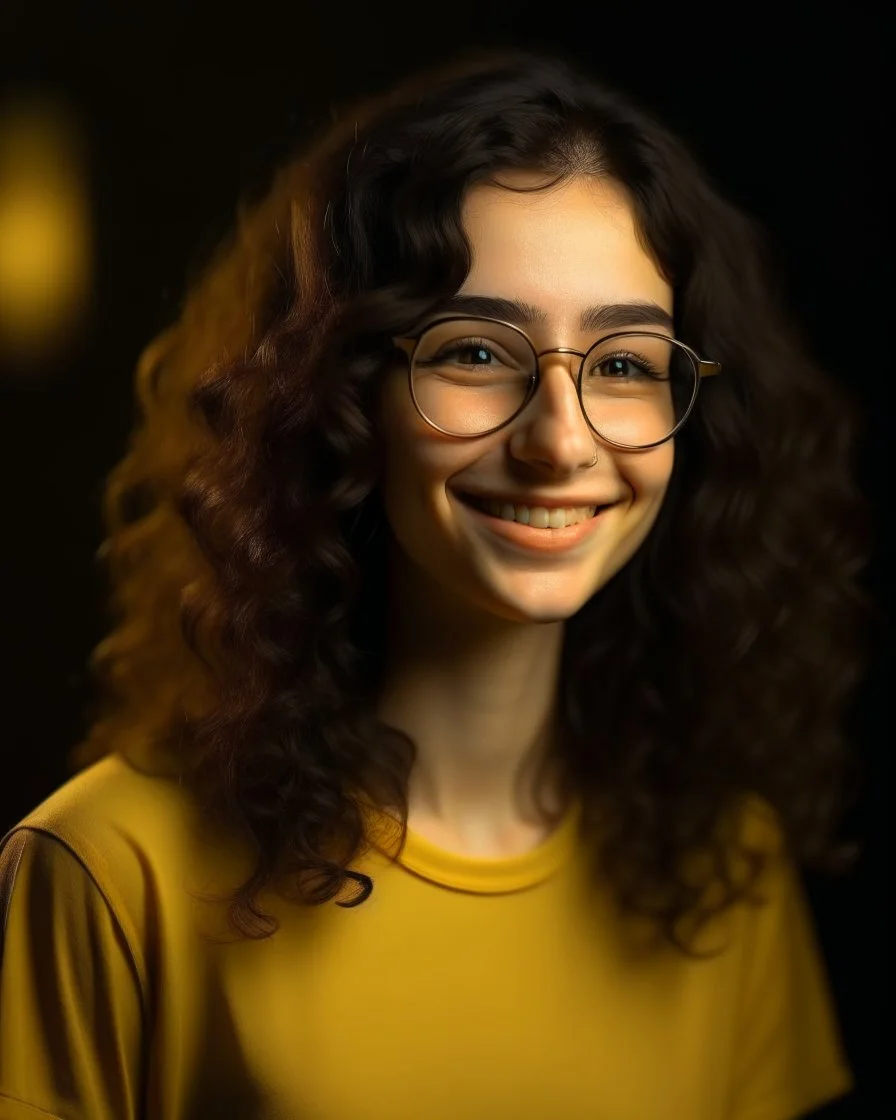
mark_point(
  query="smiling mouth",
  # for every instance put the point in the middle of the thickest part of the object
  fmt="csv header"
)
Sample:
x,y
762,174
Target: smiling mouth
x,y
482,505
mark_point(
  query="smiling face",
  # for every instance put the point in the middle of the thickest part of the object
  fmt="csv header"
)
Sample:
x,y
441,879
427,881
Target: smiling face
x,y
561,250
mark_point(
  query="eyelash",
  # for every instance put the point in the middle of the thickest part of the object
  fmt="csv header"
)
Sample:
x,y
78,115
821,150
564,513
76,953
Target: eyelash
x,y
465,344
637,359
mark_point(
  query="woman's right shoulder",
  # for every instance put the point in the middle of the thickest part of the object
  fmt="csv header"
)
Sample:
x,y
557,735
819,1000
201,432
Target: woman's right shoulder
x,y
127,835
88,889
104,811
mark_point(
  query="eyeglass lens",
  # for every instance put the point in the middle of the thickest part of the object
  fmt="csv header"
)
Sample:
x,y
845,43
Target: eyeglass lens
x,y
470,376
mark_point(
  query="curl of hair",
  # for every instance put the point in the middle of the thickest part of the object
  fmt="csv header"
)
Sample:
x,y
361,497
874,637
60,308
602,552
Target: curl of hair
x,y
246,544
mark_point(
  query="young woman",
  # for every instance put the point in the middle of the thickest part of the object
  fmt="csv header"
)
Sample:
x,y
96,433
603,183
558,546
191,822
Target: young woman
x,y
486,574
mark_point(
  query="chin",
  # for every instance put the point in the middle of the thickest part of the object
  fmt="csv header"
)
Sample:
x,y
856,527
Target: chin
x,y
537,608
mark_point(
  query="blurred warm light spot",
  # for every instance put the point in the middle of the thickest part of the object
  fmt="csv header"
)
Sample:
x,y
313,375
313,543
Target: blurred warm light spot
x,y
45,236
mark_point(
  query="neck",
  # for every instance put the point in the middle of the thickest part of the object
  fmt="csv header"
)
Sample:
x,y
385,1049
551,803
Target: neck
x,y
478,695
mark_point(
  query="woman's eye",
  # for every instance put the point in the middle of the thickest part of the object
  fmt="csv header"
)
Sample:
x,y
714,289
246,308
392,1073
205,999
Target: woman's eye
x,y
470,354
620,367
476,354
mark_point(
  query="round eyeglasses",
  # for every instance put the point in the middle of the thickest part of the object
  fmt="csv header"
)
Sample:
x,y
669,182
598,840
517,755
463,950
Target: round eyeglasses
x,y
471,376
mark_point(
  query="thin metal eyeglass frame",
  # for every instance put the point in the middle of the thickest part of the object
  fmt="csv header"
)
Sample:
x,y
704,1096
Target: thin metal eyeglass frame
x,y
409,343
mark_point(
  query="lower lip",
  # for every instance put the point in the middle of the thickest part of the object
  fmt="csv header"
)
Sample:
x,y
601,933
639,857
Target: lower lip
x,y
539,540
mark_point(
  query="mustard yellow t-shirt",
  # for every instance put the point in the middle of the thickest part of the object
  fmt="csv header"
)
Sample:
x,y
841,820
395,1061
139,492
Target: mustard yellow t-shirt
x,y
462,989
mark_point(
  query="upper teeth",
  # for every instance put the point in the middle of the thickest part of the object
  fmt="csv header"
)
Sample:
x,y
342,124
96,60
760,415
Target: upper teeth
x,y
539,517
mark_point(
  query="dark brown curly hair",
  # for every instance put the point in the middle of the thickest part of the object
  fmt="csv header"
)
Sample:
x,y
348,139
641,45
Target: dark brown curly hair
x,y
247,542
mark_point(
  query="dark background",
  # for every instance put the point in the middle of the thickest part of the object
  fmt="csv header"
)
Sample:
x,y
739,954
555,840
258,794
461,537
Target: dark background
x,y
185,108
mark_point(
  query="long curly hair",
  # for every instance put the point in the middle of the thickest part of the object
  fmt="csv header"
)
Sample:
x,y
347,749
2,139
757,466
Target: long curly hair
x,y
246,541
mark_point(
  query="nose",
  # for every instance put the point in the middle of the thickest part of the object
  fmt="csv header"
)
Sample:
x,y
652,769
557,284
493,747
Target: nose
x,y
553,423
550,377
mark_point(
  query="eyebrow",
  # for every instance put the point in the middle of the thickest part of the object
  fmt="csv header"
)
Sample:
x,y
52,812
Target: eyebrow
x,y
600,317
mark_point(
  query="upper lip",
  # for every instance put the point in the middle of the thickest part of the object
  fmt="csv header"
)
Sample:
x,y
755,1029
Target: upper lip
x,y
531,500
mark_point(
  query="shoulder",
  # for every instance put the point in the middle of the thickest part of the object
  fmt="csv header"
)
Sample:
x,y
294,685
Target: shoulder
x,y
110,813
133,842
789,1055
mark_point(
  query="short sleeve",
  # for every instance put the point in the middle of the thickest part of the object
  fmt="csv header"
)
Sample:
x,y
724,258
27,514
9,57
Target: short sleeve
x,y
789,1058
70,1002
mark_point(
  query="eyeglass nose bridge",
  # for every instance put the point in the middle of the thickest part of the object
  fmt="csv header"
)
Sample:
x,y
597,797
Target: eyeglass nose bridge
x,y
557,350
560,350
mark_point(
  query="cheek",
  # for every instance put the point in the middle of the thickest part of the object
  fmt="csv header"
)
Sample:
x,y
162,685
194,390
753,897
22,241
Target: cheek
x,y
648,474
417,461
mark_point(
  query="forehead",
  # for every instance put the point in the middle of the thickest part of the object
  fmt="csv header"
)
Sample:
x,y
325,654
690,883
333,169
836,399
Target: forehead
x,y
561,248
